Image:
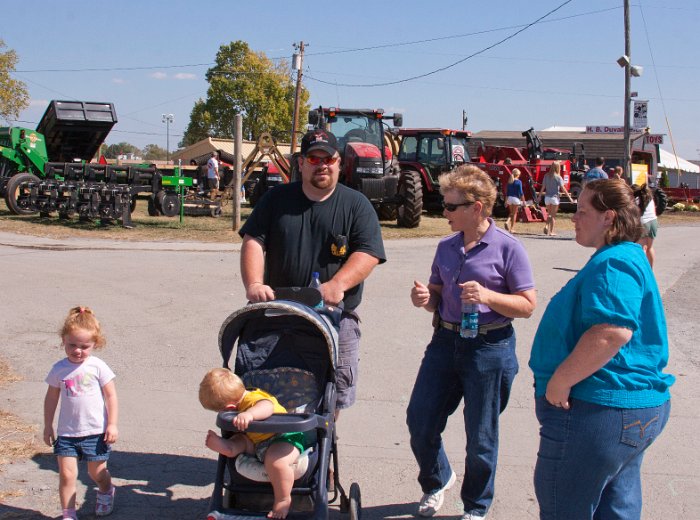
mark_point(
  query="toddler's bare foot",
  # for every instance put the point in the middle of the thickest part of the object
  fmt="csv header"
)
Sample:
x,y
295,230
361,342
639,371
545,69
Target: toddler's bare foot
x,y
217,444
280,508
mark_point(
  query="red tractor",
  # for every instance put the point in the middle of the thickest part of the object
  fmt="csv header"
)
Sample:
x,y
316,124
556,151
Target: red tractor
x,y
428,153
369,163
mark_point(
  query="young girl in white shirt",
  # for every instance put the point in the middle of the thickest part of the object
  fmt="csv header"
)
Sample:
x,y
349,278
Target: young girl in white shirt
x,y
87,422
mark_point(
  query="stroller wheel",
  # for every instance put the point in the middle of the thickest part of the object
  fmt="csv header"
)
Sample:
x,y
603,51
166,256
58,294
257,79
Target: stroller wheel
x,y
355,508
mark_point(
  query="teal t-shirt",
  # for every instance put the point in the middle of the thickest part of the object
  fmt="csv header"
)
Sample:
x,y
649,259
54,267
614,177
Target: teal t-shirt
x,y
616,287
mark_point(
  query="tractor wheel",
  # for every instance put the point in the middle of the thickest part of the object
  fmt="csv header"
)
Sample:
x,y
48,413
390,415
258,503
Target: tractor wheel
x,y
500,210
132,204
355,508
575,189
17,193
387,212
411,196
660,200
168,203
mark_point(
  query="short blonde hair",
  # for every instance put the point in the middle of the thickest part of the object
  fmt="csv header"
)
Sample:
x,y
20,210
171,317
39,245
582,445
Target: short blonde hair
x,y
473,184
219,389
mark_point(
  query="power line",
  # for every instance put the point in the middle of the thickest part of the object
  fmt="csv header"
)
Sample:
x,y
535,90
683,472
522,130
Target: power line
x,y
455,36
115,69
441,69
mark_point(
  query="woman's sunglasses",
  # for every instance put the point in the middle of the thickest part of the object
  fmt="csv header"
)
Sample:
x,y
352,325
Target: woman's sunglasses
x,y
452,207
316,160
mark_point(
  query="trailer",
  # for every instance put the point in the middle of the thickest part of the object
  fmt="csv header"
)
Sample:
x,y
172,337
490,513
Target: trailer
x,y
49,170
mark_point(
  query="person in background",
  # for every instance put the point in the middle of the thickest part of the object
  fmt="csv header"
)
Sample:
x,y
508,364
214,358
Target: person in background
x,y
596,173
601,396
515,198
552,184
647,207
478,264
618,173
316,225
213,174
87,422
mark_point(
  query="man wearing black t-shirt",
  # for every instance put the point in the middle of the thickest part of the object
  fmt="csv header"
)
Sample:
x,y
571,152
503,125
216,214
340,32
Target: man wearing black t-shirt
x,y
316,225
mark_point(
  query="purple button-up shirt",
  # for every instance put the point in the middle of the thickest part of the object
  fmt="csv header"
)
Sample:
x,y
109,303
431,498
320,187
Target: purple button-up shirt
x,y
498,262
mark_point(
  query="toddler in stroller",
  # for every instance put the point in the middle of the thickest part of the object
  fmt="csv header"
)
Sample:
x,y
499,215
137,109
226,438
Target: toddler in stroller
x,y
222,390
287,350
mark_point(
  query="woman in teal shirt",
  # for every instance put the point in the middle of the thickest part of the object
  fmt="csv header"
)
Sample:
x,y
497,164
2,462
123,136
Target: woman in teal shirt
x,y
597,357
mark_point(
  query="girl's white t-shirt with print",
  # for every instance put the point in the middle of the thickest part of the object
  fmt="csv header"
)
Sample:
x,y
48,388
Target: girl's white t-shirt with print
x,y
83,410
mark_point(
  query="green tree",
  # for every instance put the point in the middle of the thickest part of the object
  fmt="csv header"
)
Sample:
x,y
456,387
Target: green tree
x,y
115,150
13,93
153,152
248,83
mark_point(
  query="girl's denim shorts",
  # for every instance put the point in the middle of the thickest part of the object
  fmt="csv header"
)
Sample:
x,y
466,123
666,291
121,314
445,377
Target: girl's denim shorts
x,y
91,448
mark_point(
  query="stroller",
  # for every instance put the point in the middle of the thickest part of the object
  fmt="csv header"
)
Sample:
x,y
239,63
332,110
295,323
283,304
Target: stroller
x,y
287,348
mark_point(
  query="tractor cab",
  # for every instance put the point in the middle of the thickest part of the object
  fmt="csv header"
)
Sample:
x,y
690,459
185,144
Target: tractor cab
x,y
431,152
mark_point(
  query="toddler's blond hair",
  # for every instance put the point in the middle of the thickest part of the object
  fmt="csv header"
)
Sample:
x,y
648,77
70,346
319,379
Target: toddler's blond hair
x,y
220,388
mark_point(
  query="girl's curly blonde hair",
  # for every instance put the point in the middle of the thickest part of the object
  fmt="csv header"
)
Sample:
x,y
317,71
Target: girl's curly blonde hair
x,y
82,318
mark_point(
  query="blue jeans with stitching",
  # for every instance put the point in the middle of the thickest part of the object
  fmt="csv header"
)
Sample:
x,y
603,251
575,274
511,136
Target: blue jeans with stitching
x,y
480,370
589,460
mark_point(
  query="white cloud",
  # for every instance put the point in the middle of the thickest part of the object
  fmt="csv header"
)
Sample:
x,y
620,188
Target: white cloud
x,y
159,75
185,75
119,81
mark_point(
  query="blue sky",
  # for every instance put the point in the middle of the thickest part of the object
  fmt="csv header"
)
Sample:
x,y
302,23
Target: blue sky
x,y
561,71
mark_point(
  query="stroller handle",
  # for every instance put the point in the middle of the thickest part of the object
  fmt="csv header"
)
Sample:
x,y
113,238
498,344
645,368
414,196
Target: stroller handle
x,y
276,423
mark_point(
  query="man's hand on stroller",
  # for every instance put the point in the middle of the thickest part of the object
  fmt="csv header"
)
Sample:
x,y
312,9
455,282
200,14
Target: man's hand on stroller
x,y
332,292
259,292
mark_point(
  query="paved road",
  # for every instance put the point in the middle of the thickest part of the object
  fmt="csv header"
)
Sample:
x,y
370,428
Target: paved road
x,y
162,304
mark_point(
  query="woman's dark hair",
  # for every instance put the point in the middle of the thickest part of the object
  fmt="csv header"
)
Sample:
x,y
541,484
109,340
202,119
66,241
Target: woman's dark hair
x,y
611,194
642,195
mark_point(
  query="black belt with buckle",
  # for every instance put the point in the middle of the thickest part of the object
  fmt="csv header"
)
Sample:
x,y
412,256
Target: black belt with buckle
x,y
454,327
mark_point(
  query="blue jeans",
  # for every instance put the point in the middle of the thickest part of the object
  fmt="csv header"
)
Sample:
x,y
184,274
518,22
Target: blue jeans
x,y
588,464
480,370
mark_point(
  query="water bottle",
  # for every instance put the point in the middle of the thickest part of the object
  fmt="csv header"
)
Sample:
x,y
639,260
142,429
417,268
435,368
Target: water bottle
x,y
469,327
316,284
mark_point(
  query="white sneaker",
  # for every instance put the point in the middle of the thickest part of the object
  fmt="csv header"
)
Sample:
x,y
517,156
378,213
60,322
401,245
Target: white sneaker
x,y
105,502
472,516
432,502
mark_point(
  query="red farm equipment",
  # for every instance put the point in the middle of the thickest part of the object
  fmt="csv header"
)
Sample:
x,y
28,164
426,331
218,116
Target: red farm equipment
x,y
533,161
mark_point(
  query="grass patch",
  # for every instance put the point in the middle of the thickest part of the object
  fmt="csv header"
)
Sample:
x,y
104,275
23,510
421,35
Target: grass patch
x,y
212,230
18,440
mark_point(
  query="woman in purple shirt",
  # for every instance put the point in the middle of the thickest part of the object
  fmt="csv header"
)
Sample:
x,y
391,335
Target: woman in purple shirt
x,y
482,264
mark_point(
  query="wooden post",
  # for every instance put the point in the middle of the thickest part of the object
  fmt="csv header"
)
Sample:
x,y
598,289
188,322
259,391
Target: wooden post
x,y
238,164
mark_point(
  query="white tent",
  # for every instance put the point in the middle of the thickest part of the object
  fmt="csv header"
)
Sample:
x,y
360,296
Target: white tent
x,y
667,161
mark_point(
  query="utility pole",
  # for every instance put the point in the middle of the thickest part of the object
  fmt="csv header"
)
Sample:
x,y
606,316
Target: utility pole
x,y
297,63
627,161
